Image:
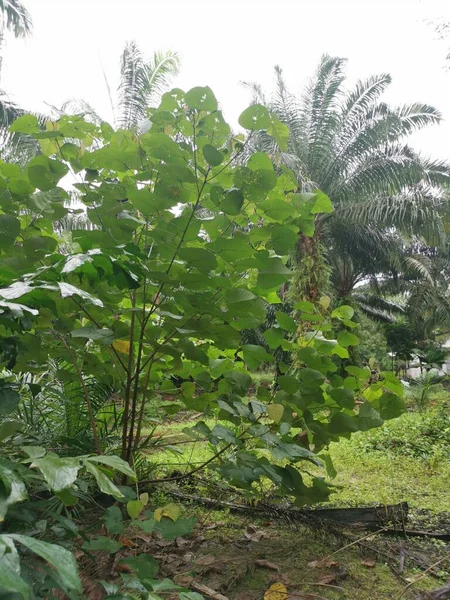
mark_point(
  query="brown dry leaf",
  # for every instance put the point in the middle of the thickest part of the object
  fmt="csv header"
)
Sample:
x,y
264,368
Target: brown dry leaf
x,y
183,579
254,534
127,542
205,560
277,591
369,563
266,564
123,568
145,537
325,563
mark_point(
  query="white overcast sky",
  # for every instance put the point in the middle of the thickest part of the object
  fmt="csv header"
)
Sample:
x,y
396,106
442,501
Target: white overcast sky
x,y
224,42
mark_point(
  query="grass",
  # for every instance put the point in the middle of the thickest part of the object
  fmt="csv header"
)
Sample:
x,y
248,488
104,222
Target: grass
x,y
406,459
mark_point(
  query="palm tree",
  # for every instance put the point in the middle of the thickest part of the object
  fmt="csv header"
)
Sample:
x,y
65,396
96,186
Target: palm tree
x,y
143,82
15,18
352,146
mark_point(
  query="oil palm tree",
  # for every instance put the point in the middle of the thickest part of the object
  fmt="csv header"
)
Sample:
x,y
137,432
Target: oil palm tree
x,y
15,18
143,82
353,147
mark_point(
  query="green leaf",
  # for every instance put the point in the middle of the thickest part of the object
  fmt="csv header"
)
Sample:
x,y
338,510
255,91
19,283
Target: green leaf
x,y
9,428
322,204
9,230
223,433
361,374
273,337
255,117
44,173
66,497
288,383
368,417
275,412
39,245
273,274
279,131
201,98
170,530
104,335
12,582
14,489
311,377
343,312
305,306
134,508
345,338
59,473
106,485
25,124
344,397
103,543
212,156
260,160
9,400
232,201
199,258
60,558
255,355
115,463
286,321
67,290
114,520
144,565
283,239
390,406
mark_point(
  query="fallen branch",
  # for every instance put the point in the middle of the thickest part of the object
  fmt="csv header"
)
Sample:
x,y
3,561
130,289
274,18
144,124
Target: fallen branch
x,y
368,516
413,533
207,591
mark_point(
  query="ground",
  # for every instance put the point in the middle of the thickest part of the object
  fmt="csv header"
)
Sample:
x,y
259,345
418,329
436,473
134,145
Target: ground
x,y
241,557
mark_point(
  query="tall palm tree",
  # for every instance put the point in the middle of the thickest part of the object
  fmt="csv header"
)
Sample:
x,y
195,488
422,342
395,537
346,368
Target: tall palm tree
x,y
352,146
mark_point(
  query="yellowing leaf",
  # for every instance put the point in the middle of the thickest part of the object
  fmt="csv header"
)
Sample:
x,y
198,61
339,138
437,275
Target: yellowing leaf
x,y
144,498
121,346
172,511
275,412
134,508
277,591
325,302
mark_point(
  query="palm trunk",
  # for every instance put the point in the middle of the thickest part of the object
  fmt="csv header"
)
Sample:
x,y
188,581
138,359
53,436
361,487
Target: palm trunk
x,y
311,277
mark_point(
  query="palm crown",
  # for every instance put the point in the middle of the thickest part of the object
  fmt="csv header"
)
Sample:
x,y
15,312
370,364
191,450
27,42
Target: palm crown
x,y
353,147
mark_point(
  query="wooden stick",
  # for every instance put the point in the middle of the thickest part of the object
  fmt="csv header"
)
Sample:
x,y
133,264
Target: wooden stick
x,y
207,591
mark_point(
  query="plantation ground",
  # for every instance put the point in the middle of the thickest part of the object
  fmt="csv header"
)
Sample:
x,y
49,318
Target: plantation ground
x,y
405,460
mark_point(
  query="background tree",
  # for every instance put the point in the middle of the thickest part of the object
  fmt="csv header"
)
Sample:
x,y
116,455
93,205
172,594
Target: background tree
x,y
352,146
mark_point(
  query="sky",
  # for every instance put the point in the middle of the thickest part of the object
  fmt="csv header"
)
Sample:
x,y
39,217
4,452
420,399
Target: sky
x,y
222,43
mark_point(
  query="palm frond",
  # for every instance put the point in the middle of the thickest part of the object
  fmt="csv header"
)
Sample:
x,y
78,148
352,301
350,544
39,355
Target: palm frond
x,y
16,18
143,82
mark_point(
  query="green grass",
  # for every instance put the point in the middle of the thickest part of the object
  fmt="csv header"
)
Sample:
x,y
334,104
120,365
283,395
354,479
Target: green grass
x,y
407,459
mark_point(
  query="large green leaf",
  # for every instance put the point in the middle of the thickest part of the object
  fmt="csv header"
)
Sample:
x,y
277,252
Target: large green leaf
x,y
104,335
212,156
115,462
255,117
390,406
254,355
60,558
104,483
201,98
59,473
